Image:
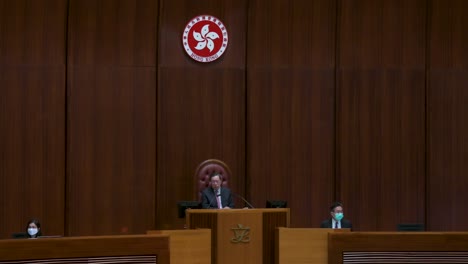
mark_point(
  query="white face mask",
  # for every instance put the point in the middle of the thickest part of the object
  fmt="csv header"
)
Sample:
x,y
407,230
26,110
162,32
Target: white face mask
x,y
32,231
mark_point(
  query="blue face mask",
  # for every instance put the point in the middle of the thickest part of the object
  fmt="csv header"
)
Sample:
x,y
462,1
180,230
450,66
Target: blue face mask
x,y
32,231
339,216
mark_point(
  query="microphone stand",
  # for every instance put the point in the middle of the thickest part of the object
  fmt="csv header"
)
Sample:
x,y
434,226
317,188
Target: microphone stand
x,y
243,199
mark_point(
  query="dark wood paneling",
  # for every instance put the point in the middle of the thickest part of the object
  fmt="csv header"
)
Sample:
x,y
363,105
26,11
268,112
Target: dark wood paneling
x,y
111,117
33,32
381,112
32,115
268,108
113,32
297,35
447,35
381,34
111,162
447,115
32,149
201,107
290,135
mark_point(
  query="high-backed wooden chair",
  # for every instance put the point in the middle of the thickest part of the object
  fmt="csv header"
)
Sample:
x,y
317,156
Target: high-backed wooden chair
x,y
205,169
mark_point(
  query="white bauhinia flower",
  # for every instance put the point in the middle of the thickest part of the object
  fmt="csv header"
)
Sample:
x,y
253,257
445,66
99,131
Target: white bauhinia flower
x,y
205,38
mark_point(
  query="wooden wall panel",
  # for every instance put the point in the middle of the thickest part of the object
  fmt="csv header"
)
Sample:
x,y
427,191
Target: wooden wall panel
x,y
33,32
111,117
447,116
201,107
290,106
32,120
381,112
360,101
113,32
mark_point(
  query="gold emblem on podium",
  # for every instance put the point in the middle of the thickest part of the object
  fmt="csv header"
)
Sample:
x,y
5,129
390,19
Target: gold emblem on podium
x,y
241,234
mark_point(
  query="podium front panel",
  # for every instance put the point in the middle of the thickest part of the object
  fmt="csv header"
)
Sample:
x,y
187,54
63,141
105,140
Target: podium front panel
x,y
240,235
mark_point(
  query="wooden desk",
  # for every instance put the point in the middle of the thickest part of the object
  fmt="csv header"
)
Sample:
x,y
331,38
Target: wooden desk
x,y
188,246
303,245
244,236
398,247
130,249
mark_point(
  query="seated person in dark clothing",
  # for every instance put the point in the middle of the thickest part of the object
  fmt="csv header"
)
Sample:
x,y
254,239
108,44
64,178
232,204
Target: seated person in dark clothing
x,y
336,220
216,196
33,230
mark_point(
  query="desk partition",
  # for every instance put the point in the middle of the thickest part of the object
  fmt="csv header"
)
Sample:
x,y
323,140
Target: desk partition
x,y
151,249
303,245
188,246
398,247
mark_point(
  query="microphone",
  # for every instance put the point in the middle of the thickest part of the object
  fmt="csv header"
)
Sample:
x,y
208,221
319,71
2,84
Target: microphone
x,y
243,199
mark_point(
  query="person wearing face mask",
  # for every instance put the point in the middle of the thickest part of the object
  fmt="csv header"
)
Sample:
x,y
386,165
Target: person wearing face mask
x,y
33,229
336,220
215,196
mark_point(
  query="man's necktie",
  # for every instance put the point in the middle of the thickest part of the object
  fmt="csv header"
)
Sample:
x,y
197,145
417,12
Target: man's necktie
x,y
336,224
218,200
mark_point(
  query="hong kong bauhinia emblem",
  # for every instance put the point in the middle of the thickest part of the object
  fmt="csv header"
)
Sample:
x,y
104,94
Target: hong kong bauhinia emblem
x,y
205,38
241,234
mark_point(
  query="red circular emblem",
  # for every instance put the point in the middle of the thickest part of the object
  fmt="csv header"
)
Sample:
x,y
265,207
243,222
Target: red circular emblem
x,y
205,38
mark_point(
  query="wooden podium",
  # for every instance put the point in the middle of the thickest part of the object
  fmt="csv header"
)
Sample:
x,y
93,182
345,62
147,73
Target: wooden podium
x,y
240,235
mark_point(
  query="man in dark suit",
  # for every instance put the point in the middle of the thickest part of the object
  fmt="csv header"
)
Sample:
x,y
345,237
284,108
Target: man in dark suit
x,y
215,196
336,220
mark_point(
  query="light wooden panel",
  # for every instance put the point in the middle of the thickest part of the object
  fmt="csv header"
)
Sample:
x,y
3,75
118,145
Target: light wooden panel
x,y
249,251
241,235
303,245
191,246
57,250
